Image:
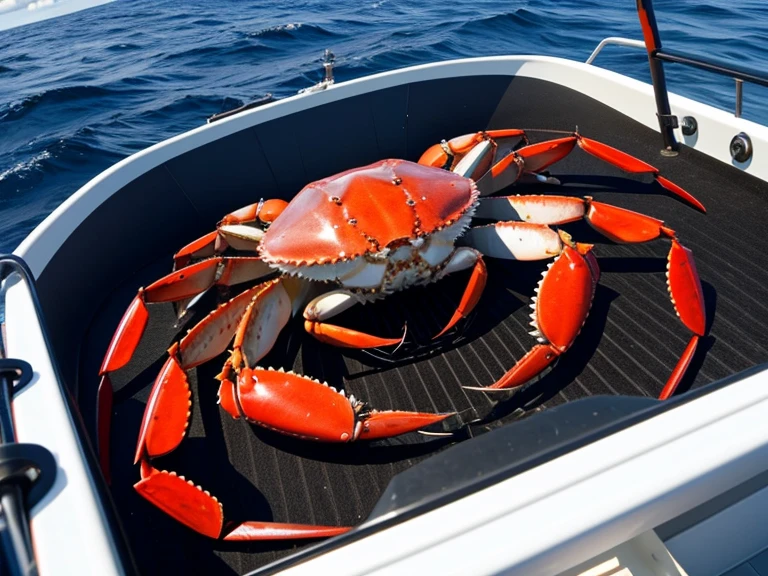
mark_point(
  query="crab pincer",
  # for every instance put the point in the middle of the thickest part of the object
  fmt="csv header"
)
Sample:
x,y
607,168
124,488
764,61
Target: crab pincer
x,y
286,402
560,308
499,158
194,507
305,408
562,299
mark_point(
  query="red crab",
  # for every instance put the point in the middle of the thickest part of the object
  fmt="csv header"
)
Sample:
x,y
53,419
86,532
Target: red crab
x,y
372,231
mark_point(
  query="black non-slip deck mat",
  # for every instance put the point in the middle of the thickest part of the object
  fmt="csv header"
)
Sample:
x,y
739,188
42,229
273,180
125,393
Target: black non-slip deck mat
x,y
628,346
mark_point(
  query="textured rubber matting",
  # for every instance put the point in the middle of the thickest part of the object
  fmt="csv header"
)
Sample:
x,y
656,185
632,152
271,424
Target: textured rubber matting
x,y
628,346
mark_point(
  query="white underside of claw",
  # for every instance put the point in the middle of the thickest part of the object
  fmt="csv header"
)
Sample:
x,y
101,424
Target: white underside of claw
x,y
515,241
265,318
533,209
329,305
247,269
241,237
468,165
211,336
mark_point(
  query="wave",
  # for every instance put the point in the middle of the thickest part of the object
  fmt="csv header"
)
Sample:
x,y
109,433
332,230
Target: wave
x,y
63,155
292,30
23,168
18,110
521,18
208,22
215,55
23,57
123,47
700,10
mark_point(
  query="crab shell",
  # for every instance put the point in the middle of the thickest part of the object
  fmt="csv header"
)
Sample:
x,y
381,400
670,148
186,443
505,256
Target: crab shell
x,y
368,212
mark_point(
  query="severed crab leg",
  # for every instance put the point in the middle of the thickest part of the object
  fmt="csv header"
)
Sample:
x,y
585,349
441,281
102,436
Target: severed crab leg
x,y
283,401
503,240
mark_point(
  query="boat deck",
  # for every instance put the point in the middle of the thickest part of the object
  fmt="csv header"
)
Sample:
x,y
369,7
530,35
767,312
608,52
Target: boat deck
x,y
628,346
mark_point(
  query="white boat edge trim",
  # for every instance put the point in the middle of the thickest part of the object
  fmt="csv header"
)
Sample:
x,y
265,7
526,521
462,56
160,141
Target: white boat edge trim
x,y
629,96
723,541
570,509
69,529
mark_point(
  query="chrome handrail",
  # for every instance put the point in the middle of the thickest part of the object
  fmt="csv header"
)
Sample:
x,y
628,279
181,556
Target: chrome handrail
x,y
738,75
617,41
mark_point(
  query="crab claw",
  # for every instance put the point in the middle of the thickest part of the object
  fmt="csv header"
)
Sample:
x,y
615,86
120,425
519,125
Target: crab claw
x,y
182,500
688,301
127,336
197,509
560,308
242,229
387,424
629,163
346,337
166,416
299,406
278,531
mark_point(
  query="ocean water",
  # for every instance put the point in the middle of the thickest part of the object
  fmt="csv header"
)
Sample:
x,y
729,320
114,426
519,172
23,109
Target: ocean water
x,y
80,92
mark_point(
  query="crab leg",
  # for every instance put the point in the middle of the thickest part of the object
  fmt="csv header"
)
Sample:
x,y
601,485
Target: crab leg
x,y
167,413
167,416
502,240
336,301
461,259
328,305
539,156
472,155
560,308
241,230
197,509
481,157
293,404
178,285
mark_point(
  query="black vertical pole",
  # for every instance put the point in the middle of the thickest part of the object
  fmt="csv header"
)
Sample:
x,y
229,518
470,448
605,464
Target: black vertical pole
x,y
667,122
15,542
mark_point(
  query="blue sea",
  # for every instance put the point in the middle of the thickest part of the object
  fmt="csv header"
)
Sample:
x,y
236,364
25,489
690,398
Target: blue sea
x,y
80,92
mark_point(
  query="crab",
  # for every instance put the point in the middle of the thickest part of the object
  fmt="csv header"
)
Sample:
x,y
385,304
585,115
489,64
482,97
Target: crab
x,y
366,233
